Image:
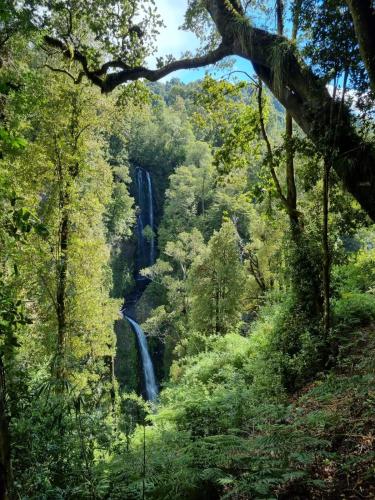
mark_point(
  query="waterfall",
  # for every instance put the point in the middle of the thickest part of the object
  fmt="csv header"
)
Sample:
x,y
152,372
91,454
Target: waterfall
x,y
146,248
145,256
148,368
151,217
140,238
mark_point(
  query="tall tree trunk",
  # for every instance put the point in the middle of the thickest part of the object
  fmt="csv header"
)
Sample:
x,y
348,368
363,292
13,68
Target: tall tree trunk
x,y
326,251
290,180
363,15
305,284
110,363
62,266
256,272
291,184
280,16
6,478
217,310
67,175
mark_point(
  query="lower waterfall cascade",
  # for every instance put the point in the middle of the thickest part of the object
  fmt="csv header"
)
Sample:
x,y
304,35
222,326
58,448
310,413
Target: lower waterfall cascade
x,y
148,368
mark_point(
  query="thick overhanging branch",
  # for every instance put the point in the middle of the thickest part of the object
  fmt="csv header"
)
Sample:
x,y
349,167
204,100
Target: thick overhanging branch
x,y
114,79
109,81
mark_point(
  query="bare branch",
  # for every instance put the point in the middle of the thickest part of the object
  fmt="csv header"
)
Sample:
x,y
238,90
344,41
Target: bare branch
x,y
108,82
271,161
76,55
244,73
130,74
65,72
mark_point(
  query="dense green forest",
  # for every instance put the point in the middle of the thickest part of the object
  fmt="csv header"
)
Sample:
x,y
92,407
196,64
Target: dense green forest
x,y
187,285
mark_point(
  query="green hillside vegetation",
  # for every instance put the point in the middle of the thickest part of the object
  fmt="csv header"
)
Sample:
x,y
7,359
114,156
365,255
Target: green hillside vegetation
x,y
259,306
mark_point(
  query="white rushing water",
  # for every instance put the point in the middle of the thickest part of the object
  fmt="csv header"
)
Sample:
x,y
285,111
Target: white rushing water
x,y
151,217
148,368
146,248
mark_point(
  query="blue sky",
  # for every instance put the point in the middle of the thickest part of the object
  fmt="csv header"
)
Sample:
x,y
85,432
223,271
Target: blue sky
x,y
174,41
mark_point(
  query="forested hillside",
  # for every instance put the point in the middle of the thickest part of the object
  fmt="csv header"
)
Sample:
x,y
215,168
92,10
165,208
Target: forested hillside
x,y
187,286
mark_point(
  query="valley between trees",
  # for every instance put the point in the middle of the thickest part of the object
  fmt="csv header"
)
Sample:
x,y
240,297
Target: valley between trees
x,y
187,287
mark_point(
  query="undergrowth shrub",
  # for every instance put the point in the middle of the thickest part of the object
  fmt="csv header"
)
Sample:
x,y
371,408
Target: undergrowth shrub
x,y
224,431
354,309
354,286
295,344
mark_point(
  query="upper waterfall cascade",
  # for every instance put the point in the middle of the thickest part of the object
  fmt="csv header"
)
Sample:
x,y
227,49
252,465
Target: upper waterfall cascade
x,y
146,244
148,368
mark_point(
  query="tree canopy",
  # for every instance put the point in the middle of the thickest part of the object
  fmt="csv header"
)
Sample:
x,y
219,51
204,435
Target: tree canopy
x,y
187,278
